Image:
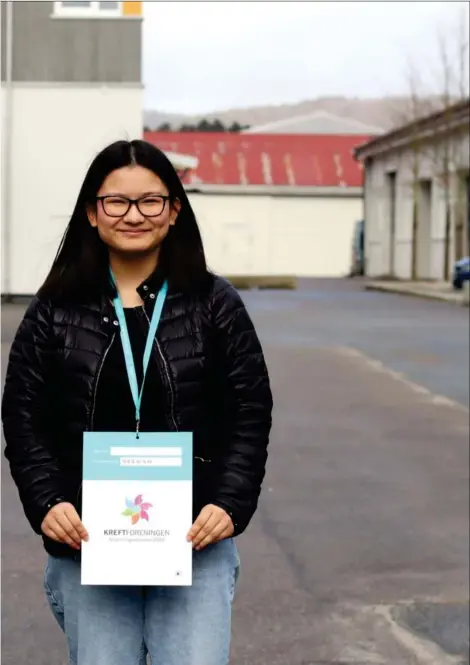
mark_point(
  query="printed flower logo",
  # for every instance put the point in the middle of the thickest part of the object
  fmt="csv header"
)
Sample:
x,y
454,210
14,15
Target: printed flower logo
x,y
137,509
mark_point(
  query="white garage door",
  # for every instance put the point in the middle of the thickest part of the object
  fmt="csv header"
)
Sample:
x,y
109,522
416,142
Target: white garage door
x,y
266,235
234,232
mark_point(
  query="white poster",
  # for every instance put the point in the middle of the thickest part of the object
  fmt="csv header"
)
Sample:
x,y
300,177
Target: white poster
x,y
137,509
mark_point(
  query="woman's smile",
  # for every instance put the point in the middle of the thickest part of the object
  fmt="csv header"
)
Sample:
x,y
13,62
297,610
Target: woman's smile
x,y
134,233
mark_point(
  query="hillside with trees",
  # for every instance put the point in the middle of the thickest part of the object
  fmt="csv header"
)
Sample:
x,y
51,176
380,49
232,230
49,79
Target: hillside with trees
x,y
203,125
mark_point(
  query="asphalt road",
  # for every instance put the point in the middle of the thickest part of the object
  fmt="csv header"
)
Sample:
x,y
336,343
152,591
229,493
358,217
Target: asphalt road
x,y
358,554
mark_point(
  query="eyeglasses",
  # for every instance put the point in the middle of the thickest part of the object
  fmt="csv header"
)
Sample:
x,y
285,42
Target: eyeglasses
x,y
119,206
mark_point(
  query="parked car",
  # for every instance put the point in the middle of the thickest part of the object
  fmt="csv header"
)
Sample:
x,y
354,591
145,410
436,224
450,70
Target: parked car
x,y
357,258
461,272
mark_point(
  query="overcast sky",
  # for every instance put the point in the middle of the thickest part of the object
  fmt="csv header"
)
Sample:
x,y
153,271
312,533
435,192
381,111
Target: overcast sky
x,y
207,56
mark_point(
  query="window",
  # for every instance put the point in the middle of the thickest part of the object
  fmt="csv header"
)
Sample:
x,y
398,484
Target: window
x,y
83,9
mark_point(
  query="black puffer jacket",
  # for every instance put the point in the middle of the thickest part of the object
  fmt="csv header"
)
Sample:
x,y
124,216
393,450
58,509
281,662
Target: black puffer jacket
x,y
211,364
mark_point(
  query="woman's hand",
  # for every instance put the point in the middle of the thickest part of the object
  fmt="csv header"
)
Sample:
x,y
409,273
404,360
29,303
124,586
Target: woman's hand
x,y
212,525
63,525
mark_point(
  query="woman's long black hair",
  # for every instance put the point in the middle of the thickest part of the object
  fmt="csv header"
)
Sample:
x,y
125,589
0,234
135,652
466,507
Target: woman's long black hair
x,y
81,266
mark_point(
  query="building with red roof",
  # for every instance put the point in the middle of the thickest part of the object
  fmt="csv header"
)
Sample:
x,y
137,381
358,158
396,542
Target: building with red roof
x,y
271,204
246,160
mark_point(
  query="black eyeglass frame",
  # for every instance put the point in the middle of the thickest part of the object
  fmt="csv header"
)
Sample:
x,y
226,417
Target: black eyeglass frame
x,y
132,202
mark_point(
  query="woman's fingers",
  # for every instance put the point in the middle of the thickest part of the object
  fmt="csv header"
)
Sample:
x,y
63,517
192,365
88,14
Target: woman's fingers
x,y
69,528
228,533
205,533
221,530
200,523
76,522
56,532
212,525
62,523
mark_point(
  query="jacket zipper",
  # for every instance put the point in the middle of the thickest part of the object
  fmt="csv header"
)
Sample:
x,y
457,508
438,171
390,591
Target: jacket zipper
x,y
172,399
172,396
92,414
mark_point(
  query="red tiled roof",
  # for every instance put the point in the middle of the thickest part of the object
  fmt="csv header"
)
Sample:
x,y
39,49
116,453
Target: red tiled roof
x,y
266,159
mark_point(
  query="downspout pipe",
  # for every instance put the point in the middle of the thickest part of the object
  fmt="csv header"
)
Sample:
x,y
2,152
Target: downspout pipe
x,y
7,138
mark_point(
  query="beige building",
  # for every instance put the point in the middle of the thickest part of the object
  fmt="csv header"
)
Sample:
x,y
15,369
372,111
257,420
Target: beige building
x,y
272,205
416,197
71,83
274,231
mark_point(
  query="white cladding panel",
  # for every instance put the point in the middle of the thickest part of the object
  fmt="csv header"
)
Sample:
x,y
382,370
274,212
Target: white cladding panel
x,y
272,235
417,171
56,133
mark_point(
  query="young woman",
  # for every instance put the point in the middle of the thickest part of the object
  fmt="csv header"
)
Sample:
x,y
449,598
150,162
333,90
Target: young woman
x,y
67,375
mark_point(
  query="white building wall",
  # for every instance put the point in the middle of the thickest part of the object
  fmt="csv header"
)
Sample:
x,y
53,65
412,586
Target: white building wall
x,y
234,229
272,235
57,131
378,222
404,212
375,214
437,235
312,237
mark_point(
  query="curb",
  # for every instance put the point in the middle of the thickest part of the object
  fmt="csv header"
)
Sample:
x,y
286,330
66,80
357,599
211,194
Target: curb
x,y
428,295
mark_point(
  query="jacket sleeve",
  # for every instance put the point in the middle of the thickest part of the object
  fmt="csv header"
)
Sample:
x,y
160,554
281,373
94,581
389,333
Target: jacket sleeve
x,y
242,467
34,470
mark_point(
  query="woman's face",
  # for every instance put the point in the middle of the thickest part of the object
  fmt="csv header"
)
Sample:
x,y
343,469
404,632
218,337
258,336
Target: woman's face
x,y
137,228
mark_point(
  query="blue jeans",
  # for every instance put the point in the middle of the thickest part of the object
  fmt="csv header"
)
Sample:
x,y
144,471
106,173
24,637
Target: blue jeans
x,y
173,625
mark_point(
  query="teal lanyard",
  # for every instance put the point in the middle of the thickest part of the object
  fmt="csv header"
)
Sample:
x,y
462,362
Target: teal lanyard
x,y
127,348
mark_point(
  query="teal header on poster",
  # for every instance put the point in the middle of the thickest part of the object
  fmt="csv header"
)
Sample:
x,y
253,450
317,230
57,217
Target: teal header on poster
x,y
152,456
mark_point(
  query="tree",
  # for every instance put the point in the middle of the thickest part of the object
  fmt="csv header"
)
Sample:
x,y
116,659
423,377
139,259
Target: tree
x,y
218,126
204,126
235,128
164,127
186,127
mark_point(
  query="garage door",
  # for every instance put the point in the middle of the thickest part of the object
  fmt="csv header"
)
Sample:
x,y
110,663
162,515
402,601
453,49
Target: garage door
x,y
234,230
274,235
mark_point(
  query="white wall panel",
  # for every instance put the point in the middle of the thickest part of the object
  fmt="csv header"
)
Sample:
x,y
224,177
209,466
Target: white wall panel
x,y
430,165
266,235
56,134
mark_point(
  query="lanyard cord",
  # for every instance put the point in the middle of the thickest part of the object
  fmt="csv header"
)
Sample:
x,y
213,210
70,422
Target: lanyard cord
x,y
127,348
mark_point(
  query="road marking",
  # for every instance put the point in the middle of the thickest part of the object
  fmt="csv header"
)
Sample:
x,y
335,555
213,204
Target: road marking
x,y
379,366
425,652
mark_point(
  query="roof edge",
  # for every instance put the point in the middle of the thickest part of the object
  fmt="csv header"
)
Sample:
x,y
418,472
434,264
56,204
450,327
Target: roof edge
x,y
453,117
366,129
181,161
273,190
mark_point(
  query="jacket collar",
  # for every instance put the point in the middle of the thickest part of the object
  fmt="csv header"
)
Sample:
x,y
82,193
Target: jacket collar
x,y
147,290
151,285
